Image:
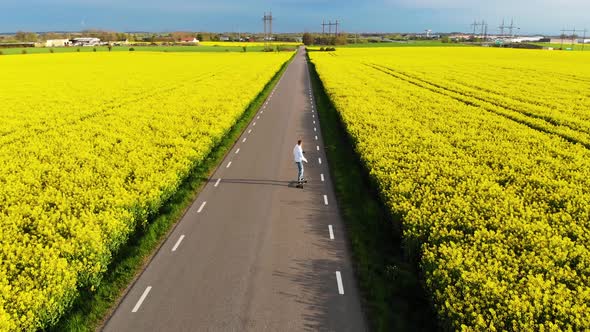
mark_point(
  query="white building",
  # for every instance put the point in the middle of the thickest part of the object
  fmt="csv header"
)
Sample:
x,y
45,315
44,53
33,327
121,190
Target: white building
x,y
583,41
534,39
57,42
192,40
86,41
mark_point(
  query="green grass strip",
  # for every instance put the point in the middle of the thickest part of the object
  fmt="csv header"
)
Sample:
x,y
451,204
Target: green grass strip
x,y
92,308
393,296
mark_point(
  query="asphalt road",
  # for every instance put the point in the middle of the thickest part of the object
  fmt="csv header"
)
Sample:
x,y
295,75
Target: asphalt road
x,y
254,253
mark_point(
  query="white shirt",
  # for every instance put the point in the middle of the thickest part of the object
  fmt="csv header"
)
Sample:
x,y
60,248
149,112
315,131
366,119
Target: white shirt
x,y
298,154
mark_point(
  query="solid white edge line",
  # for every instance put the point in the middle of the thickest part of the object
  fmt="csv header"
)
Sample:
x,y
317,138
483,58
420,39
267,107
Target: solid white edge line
x,y
322,176
325,199
142,298
320,160
178,243
228,165
201,207
339,280
217,183
238,151
331,232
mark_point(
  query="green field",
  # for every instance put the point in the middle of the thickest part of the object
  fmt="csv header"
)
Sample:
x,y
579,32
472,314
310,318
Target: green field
x,y
566,45
37,50
411,43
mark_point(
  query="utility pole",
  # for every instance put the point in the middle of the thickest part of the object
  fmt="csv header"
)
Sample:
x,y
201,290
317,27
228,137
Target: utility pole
x,y
267,28
475,24
573,32
502,27
512,27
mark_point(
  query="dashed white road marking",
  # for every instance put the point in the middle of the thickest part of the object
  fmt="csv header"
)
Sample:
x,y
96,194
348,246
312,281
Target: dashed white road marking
x,y
178,243
325,199
339,280
249,131
322,176
317,147
258,117
331,232
228,165
218,180
313,121
201,207
254,124
244,140
320,160
316,138
238,151
313,115
142,298
315,129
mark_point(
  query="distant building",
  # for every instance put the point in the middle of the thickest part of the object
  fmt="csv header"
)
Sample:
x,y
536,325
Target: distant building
x,y
192,40
57,42
565,40
224,38
86,41
534,39
583,41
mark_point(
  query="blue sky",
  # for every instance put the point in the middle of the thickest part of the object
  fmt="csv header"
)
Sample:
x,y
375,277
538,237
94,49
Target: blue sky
x,y
539,16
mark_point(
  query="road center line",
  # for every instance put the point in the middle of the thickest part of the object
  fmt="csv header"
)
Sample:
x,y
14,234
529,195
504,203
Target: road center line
x,y
201,207
322,176
325,199
339,280
142,298
228,165
178,243
331,232
217,182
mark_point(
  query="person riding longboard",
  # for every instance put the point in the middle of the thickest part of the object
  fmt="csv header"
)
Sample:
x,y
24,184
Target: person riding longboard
x,y
299,159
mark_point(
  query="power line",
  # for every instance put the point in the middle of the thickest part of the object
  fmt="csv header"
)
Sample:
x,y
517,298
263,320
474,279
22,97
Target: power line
x,y
267,28
330,24
573,32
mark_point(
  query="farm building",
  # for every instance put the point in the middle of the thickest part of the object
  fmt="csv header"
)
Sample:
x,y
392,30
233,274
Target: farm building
x,y
190,40
57,42
86,41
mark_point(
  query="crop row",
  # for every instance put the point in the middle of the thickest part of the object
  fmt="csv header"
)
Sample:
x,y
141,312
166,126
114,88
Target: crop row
x,y
91,147
497,211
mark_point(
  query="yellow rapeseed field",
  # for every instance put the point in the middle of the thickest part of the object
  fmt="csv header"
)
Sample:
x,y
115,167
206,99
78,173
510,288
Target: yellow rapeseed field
x,y
485,155
91,144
